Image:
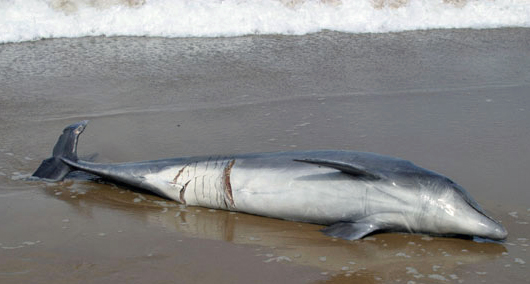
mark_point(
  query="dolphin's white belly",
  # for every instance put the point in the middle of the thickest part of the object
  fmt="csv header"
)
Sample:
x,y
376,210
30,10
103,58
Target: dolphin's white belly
x,y
309,194
304,193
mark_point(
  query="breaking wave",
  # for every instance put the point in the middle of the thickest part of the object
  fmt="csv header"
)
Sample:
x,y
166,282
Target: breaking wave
x,y
23,20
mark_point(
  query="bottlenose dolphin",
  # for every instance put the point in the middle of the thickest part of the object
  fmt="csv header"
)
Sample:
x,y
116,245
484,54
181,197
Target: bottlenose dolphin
x,y
354,193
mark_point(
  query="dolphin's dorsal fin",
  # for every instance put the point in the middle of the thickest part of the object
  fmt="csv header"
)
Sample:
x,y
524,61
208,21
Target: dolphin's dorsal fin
x,y
350,231
348,168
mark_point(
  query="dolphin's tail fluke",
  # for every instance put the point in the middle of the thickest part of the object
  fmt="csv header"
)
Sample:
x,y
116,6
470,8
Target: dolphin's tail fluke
x,y
54,168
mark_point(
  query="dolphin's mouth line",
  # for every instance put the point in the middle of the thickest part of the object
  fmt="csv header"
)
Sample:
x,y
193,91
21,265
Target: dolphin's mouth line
x,y
474,204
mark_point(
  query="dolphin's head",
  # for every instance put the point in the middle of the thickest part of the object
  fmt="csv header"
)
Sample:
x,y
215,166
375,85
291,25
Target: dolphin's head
x,y
456,213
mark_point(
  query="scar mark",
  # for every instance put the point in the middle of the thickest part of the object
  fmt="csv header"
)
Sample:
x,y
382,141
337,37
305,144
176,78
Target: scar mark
x,y
227,184
195,190
203,196
207,163
182,192
178,174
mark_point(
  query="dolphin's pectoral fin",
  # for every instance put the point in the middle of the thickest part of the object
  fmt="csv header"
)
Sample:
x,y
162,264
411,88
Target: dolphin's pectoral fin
x,y
350,231
348,168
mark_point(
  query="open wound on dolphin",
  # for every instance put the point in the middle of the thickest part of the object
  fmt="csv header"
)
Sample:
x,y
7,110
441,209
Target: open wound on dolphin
x,y
183,192
228,185
183,188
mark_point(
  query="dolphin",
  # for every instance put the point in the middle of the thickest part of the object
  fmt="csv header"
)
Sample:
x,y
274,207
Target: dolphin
x,y
354,194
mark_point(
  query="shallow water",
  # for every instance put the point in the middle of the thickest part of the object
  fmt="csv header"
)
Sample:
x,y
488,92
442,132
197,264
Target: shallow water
x,y
452,101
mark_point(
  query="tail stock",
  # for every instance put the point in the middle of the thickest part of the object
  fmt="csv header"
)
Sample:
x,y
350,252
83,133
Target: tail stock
x,y
54,168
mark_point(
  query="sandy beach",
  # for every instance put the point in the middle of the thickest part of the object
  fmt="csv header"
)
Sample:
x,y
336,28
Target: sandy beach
x,y
453,101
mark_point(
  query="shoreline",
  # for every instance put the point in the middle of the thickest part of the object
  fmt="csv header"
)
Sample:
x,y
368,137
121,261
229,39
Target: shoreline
x,y
324,31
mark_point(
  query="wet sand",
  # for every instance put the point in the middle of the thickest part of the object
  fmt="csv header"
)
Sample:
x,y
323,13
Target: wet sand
x,y
456,102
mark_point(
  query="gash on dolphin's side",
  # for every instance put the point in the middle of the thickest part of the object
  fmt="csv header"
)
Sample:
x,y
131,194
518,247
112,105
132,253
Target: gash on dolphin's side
x,y
354,193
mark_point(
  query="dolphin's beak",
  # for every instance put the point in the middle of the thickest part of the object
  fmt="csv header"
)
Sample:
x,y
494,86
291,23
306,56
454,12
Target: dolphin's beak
x,y
493,229
499,233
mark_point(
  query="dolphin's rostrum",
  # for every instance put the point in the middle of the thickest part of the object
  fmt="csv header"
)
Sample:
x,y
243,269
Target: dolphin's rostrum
x,y
354,193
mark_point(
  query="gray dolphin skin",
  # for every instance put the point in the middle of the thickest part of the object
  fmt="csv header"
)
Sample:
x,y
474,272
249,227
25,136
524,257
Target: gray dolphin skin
x,y
355,194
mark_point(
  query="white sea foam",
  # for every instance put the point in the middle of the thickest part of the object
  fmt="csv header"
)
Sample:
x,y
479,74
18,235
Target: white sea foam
x,y
23,20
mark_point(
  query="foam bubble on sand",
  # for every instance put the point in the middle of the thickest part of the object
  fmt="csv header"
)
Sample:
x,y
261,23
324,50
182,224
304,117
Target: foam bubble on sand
x,y
164,203
139,198
279,259
437,277
402,254
22,245
414,272
9,248
22,20
520,261
19,176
